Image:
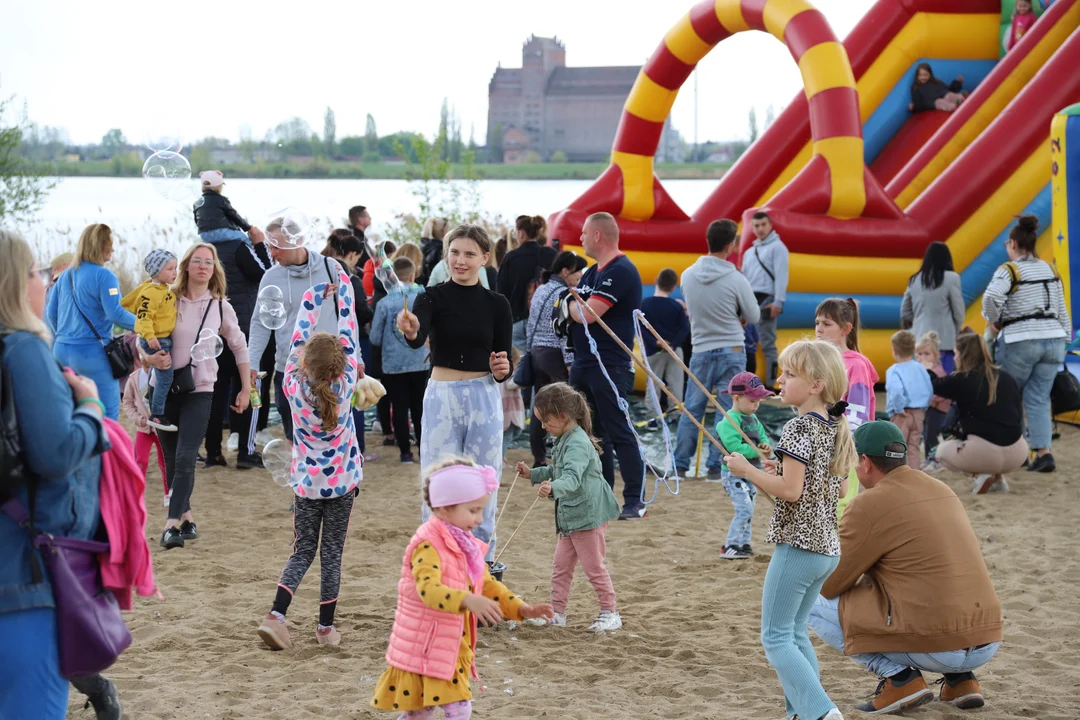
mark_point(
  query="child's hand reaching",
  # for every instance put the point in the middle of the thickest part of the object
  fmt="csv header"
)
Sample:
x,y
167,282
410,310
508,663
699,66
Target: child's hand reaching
x,y
532,612
523,470
766,449
545,489
153,344
737,464
486,611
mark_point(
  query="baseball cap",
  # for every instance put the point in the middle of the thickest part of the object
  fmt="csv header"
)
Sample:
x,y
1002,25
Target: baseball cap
x,y
749,385
212,178
871,439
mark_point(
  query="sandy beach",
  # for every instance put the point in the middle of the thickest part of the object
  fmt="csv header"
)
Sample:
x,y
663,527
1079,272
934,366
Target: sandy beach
x,y
690,644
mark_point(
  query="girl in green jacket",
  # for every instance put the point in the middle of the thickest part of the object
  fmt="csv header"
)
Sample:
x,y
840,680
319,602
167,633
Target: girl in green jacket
x,y
584,502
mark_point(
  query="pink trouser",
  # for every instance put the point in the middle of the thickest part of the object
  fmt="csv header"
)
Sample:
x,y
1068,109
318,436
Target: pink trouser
x,y
911,425
981,457
590,547
461,710
143,443
950,102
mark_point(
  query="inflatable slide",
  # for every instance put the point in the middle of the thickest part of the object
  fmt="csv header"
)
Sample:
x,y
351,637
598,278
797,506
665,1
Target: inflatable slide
x,y
856,185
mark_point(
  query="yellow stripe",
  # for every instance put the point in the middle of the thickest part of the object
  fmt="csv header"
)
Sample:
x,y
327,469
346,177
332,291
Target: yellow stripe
x,y
684,42
856,275
637,170
825,66
846,173
729,13
650,101
1059,227
992,107
945,36
778,13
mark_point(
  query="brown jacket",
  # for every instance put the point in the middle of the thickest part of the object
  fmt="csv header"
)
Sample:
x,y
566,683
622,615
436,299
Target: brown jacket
x,y
911,575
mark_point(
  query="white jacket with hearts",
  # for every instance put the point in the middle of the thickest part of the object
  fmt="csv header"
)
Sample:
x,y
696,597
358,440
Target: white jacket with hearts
x,y
325,464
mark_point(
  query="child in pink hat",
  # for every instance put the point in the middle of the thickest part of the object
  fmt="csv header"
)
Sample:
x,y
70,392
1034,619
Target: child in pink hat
x,y
746,391
217,220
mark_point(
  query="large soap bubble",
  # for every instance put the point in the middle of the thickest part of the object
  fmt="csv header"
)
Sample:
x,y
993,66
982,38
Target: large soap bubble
x,y
378,249
270,307
388,277
169,175
159,140
289,228
278,459
207,347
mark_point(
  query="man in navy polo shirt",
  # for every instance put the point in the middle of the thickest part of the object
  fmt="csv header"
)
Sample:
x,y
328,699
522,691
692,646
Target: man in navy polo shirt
x,y
612,288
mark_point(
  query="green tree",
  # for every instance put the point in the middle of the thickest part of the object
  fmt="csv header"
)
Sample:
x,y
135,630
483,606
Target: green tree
x,y
495,144
200,158
330,132
532,158
352,146
472,138
558,157
371,135
22,187
113,142
753,125
443,139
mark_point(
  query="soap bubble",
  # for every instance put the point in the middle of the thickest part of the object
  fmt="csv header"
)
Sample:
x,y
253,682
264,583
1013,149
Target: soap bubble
x,y
388,277
169,175
207,347
289,228
157,141
379,250
278,459
270,307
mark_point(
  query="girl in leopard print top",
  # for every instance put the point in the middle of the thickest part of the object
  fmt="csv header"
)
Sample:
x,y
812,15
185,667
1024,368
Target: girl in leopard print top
x,y
808,478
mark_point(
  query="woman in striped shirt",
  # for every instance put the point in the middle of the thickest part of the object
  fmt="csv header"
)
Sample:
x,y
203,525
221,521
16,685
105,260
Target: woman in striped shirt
x,y
1025,303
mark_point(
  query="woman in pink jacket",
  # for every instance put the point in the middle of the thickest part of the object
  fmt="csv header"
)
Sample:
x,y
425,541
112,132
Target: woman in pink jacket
x,y
200,305
445,589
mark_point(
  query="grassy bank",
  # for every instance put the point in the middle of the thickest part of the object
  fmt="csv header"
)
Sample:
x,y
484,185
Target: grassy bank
x,y
130,167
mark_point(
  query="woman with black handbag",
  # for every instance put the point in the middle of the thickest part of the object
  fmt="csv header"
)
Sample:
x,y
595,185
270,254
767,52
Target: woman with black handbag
x,y
51,441
201,306
82,310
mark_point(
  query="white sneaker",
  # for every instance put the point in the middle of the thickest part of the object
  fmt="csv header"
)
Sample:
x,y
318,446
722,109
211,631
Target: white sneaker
x,y
833,714
1001,484
558,621
161,427
168,498
981,484
234,442
607,621
261,438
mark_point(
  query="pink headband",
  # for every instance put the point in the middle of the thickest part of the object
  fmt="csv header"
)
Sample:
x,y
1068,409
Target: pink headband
x,y
461,484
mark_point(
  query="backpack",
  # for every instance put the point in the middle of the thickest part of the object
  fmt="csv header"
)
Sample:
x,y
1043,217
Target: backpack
x,y
1015,281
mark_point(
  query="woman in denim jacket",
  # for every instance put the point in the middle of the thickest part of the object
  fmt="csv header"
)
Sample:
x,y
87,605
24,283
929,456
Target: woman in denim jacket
x,y
59,420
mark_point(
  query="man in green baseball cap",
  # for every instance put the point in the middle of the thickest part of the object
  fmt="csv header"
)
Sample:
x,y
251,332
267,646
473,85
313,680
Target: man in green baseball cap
x,y
911,592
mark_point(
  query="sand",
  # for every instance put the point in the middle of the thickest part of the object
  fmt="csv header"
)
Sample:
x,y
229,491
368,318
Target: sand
x,y
689,647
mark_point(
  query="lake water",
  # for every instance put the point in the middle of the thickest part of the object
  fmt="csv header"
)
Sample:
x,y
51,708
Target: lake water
x,y
142,218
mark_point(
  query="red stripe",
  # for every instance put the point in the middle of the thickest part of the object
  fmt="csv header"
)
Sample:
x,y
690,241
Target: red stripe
x,y
753,11
637,136
807,29
705,23
835,113
666,70
955,6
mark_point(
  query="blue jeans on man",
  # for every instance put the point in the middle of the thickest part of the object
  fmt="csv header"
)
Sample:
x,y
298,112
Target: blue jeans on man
x,y
1034,364
825,622
162,378
715,369
610,427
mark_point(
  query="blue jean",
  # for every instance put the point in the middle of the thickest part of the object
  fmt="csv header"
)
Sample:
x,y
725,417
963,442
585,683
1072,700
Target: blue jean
x,y
223,234
792,584
714,368
825,622
510,436
30,681
518,339
88,359
162,378
1033,364
464,418
743,496
611,428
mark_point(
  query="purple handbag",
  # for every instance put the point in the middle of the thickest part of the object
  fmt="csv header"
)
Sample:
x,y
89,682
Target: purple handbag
x,y
91,632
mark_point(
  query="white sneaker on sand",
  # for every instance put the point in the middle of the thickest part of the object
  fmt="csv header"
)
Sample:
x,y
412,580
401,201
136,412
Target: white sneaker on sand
x,y
558,621
981,484
607,621
1000,484
833,714
234,442
262,437
168,498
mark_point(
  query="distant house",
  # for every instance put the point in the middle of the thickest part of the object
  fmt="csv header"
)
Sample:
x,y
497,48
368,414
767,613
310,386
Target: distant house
x,y
236,156
515,145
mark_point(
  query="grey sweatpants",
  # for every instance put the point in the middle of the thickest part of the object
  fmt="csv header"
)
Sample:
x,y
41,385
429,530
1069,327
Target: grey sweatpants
x,y
767,332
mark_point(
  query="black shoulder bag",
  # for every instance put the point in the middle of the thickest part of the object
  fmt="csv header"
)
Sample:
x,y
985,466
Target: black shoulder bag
x,y
184,378
121,359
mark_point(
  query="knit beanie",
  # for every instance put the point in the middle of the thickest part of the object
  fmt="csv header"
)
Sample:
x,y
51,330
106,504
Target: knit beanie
x,y
156,260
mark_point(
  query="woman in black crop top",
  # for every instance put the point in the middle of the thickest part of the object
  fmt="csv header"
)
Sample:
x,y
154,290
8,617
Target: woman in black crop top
x,y
469,328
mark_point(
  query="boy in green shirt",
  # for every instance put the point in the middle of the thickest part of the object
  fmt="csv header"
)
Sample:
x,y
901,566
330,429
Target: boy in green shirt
x,y
747,391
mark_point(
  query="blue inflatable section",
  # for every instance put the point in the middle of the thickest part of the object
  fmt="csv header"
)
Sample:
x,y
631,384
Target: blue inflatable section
x,y
883,311
893,112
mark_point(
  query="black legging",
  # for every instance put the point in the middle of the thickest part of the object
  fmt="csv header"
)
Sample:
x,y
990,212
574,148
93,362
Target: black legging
x,y
406,393
189,413
548,367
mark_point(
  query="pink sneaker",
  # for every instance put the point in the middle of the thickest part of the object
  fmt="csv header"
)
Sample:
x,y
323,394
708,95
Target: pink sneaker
x,y
328,636
274,632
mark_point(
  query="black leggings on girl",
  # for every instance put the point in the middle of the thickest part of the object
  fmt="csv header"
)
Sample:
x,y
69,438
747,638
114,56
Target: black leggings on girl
x,y
309,515
189,413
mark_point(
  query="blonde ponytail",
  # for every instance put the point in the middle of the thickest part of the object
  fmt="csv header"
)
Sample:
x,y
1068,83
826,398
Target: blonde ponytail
x,y
324,363
844,455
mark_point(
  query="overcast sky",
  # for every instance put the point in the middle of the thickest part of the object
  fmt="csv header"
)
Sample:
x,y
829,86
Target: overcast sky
x,y
212,68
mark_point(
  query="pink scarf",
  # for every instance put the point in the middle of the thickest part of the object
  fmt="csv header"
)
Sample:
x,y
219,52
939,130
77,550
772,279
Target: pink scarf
x,y
474,560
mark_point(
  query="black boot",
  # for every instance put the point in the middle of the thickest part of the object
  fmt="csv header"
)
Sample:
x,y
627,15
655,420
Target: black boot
x,y
106,703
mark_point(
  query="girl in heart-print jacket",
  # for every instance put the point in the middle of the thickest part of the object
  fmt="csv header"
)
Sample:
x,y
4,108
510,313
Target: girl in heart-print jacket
x,y
320,375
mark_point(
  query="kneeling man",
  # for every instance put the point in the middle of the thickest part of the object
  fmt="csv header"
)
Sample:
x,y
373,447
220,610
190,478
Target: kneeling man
x,y
912,592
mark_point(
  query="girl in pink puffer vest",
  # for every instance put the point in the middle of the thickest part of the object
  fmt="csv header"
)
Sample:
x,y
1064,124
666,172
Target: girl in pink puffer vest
x,y
444,591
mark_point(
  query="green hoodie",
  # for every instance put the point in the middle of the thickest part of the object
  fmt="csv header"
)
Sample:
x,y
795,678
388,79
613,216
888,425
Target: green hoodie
x,y
734,442
583,499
